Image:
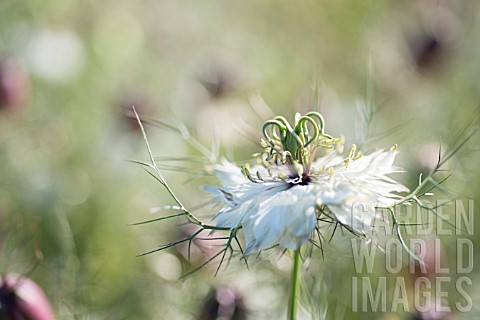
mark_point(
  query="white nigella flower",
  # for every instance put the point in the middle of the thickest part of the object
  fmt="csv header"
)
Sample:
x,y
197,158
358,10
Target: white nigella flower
x,y
280,201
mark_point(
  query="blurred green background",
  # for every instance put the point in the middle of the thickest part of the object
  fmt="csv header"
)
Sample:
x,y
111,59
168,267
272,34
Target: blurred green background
x,y
69,71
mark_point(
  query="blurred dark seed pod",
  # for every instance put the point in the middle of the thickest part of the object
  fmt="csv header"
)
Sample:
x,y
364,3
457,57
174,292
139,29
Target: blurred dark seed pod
x,y
23,299
432,46
221,77
426,50
223,303
14,86
217,82
142,106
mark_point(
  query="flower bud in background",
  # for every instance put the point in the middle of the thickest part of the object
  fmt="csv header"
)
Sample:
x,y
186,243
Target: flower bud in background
x,y
23,299
14,86
202,248
433,257
434,313
427,157
223,303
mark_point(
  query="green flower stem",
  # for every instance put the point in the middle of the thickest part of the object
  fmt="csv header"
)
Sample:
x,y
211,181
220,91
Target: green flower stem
x,y
294,286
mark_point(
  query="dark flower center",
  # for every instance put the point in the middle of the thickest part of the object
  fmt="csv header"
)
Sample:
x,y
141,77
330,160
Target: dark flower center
x,y
302,180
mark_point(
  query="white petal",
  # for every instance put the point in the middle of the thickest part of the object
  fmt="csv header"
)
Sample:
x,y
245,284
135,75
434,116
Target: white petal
x,y
352,192
288,218
229,174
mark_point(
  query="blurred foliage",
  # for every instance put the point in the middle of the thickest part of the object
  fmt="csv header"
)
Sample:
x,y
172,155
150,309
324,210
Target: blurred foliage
x,y
69,71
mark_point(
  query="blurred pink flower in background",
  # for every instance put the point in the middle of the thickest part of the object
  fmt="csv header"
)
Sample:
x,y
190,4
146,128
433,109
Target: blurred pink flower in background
x,y
23,299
